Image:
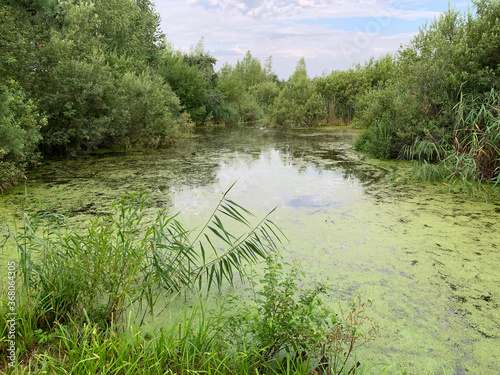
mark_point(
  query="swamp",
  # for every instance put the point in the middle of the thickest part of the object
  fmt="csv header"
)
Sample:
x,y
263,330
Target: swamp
x,y
426,258
166,210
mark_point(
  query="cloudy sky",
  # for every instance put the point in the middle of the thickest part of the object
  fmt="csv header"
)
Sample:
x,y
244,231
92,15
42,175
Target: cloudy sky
x,y
329,34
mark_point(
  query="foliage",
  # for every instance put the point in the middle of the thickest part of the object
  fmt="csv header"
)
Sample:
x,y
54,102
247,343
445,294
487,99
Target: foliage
x,y
477,135
247,87
15,48
119,261
144,100
81,296
344,89
441,104
20,124
395,119
187,82
77,101
195,342
78,60
289,325
473,156
284,320
298,103
265,93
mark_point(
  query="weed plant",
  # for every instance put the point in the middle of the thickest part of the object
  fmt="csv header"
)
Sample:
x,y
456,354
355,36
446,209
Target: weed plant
x,y
84,295
295,327
467,160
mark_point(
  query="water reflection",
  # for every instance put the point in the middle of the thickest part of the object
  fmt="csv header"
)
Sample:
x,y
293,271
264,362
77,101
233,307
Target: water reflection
x,y
193,163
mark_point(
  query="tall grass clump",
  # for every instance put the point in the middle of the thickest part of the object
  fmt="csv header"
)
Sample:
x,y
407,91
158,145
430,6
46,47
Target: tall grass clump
x,y
118,261
83,296
470,156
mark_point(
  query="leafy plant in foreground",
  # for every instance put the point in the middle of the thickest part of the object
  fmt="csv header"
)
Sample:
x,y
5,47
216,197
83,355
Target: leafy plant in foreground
x,y
79,286
292,327
118,262
196,343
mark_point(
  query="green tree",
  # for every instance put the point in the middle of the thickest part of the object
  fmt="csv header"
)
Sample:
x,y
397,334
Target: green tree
x,y
298,103
76,96
441,104
20,125
343,88
250,71
145,112
188,83
241,85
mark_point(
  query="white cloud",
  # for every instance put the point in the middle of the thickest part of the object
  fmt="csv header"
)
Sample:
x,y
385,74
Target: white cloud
x,y
307,9
287,30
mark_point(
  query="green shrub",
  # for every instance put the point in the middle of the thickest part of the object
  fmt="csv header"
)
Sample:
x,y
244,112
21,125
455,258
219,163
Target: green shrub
x,y
76,95
20,124
469,158
294,327
145,111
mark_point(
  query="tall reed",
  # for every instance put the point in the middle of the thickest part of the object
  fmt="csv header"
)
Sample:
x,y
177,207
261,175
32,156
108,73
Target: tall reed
x,y
118,262
84,295
469,156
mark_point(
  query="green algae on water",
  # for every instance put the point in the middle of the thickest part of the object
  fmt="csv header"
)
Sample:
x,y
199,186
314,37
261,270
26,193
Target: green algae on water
x,y
427,259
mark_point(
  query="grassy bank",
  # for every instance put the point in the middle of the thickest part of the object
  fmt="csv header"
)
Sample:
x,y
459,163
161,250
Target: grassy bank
x,y
82,298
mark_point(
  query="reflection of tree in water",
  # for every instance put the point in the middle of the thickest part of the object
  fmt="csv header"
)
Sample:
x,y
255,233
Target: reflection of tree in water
x,y
89,182
300,150
332,152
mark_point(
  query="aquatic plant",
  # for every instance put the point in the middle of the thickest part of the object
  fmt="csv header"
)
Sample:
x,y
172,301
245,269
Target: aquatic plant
x,y
471,156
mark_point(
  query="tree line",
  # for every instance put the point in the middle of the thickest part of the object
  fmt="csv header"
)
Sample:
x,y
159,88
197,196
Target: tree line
x,y
78,75
440,103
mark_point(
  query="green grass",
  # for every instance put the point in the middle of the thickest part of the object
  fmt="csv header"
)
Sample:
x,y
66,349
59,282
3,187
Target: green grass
x,y
197,342
83,298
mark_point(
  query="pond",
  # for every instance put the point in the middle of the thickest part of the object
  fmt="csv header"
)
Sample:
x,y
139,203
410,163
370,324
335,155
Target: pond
x,y
429,260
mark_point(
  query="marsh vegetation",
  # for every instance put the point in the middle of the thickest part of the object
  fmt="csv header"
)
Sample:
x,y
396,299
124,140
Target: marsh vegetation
x,y
97,81
424,257
84,295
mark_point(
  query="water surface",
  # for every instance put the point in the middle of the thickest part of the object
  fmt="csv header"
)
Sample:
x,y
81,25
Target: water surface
x,y
427,259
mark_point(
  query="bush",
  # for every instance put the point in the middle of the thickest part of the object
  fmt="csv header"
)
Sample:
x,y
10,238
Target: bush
x,y
76,94
20,125
393,118
472,155
145,111
292,327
